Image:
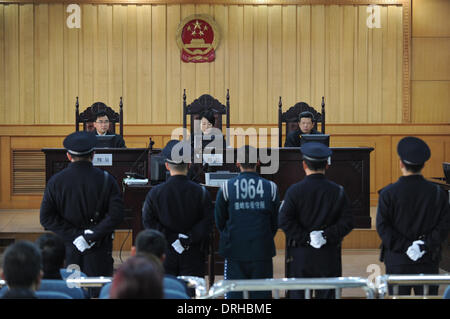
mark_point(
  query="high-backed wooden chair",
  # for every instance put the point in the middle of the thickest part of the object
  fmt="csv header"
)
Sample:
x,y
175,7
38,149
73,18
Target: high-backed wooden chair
x,y
290,118
87,117
203,103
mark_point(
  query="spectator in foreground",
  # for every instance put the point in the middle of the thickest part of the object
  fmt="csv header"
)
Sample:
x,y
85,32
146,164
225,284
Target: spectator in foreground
x,y
138,278
152,242
53,255
22,270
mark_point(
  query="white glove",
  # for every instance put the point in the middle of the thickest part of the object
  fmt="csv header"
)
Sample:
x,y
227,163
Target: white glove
x,y
177,244
82,244
317,239
414,252
183,236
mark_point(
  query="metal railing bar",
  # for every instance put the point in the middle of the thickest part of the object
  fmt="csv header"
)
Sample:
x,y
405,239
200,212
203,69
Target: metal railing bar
x,y
306,284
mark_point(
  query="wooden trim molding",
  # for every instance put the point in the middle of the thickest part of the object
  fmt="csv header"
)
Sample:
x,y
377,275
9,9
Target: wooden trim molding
x,y
221,2
143,130
406,67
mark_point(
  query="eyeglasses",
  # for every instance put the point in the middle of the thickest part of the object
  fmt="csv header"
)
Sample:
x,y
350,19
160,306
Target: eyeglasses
x,y
102,122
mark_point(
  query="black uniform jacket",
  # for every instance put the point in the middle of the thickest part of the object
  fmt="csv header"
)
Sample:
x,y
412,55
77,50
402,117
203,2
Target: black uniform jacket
x,y
70,201
408,210
179,205
315,203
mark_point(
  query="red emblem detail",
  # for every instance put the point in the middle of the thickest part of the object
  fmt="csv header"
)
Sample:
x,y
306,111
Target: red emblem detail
x,y
197,39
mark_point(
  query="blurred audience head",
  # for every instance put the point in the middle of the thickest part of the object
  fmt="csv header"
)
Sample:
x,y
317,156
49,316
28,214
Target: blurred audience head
x,y
22,266
150,241
53,255
138,278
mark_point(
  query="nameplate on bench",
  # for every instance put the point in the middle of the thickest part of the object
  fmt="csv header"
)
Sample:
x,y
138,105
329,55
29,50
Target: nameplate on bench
x,y
102,160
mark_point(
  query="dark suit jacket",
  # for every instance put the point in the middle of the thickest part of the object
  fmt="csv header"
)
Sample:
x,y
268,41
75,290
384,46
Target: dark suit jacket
x,y
19,293
293,139
117,142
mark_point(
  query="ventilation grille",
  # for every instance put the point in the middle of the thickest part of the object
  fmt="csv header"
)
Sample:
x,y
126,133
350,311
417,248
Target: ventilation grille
x,y
28,172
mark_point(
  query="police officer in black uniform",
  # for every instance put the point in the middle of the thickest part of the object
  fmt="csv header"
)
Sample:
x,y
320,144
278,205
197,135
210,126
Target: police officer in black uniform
x,y
246,215
183,211
315,215
81,209
413,218
306,126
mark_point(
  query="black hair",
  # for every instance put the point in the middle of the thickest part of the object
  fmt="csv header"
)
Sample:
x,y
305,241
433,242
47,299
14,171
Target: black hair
x,y
101,114
209,115
251,157
315,165
138,278
306,114
22,264
413,168
151,241
53,254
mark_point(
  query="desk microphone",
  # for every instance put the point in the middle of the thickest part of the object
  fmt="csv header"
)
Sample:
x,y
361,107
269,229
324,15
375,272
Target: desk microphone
x,y
131,173
203,170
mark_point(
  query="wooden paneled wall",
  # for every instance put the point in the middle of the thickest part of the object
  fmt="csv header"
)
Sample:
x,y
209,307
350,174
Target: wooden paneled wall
x,y
430,85
299,52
